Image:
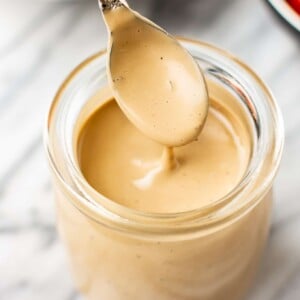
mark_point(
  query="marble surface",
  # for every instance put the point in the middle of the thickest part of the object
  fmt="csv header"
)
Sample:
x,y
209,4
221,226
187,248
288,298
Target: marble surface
x,y
40,42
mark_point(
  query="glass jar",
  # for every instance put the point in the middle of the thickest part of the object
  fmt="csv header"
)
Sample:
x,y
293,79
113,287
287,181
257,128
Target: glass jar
x,y
210,253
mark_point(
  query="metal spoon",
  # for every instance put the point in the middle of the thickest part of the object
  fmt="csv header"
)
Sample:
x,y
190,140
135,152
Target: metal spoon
x,y
155,81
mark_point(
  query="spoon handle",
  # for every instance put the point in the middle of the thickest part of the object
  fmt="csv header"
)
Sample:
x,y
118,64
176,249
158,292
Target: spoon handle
x,y
110,4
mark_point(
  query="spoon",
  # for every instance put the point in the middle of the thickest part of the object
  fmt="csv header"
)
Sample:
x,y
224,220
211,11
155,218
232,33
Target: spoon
x,y
156,82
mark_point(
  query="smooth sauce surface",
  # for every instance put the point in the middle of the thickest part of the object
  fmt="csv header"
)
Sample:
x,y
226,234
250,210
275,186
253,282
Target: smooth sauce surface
x,y
125,166
155,81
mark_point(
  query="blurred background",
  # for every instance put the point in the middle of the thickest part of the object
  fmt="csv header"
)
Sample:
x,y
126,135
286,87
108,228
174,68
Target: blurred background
x,y
41,42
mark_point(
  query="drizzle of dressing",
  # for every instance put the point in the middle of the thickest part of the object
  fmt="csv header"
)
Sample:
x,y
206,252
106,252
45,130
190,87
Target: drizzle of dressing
x,y
167,163
155,81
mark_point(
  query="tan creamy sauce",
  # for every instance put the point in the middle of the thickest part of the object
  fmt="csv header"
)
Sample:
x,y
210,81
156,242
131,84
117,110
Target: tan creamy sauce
x,y
128,158
126,166
127,148
155,81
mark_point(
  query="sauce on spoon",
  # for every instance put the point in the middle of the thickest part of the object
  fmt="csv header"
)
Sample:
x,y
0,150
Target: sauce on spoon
x,y
155,81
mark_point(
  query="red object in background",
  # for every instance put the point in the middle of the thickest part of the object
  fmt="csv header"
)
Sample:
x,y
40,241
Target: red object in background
x,y
295,4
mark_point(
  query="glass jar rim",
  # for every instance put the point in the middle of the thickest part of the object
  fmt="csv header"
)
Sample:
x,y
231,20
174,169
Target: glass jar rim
x,y
116,216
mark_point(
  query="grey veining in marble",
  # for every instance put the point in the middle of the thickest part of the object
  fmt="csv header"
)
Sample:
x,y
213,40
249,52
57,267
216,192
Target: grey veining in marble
x,y
40,42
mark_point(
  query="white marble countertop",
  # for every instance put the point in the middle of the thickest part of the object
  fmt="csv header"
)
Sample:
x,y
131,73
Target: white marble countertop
x,y
40,42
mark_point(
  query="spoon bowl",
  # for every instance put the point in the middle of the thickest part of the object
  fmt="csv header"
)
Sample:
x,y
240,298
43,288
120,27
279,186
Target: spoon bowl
x,y
155,81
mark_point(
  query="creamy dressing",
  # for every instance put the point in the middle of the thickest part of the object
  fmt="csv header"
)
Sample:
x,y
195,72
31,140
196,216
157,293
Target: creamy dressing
x,y
127,167
127,148
155,81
